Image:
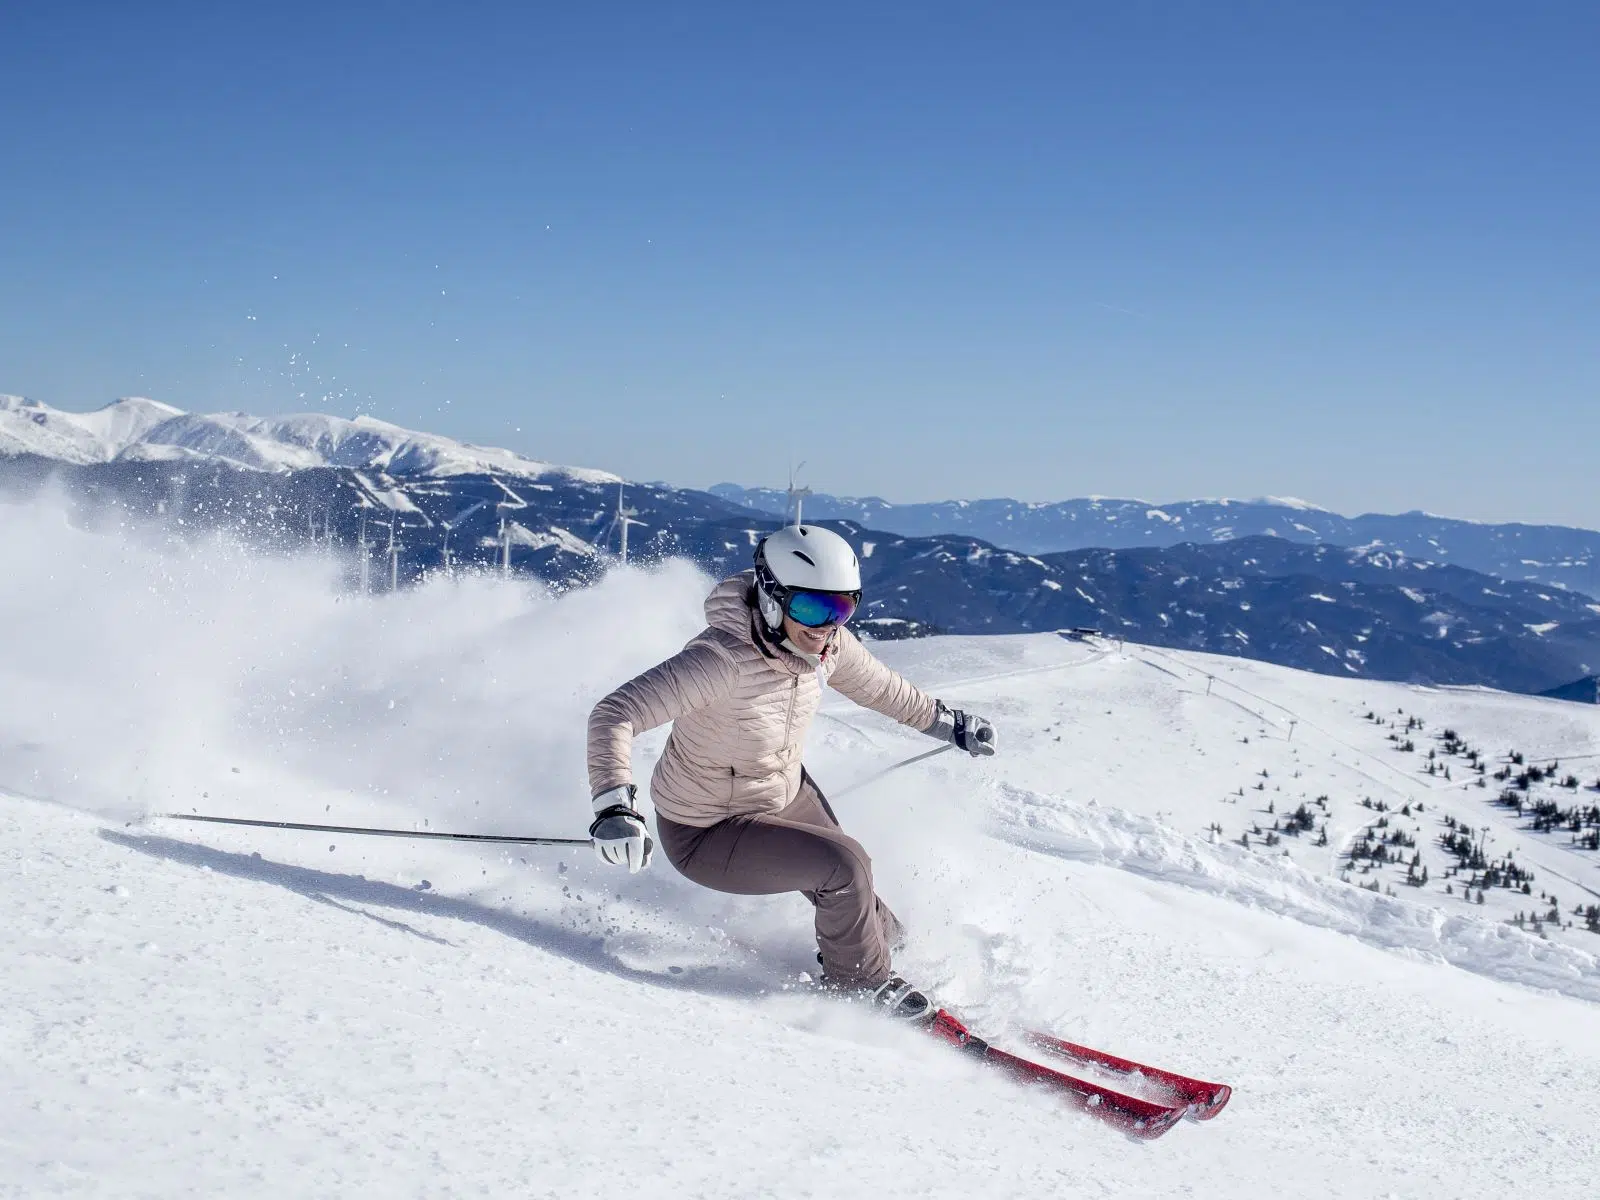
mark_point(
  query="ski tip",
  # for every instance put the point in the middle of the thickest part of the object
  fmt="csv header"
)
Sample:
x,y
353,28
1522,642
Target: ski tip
x,y
1206,1109
1148,1129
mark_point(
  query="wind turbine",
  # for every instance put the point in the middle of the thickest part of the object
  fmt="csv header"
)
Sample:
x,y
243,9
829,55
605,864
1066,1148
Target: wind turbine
x,y
451,524
797,495
509,502
394,555
364,556
622,518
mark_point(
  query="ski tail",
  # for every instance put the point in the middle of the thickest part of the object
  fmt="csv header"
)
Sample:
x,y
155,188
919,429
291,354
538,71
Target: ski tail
x,y
1201,1099
1144,1120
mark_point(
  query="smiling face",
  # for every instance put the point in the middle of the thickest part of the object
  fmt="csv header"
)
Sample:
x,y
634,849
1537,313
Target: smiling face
x,y
812,641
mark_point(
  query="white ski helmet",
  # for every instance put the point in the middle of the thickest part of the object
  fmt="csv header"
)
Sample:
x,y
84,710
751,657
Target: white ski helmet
x,y
803,558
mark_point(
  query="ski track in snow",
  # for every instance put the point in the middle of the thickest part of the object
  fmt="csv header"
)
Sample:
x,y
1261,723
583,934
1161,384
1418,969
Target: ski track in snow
x,y
203,1011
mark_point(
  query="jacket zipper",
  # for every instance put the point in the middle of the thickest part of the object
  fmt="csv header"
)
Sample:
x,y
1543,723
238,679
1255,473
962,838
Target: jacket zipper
x,y
788,724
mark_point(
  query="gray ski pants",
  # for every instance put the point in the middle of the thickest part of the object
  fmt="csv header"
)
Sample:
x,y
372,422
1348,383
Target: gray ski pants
x,y
798,849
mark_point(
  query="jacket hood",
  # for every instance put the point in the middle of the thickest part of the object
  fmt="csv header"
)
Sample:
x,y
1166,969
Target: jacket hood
x,y
728,609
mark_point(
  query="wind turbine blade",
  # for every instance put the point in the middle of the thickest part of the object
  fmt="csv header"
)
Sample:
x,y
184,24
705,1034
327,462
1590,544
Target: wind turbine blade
x,y
463,515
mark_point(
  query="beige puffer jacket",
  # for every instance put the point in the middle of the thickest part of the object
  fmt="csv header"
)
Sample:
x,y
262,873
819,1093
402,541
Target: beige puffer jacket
x,y
741,711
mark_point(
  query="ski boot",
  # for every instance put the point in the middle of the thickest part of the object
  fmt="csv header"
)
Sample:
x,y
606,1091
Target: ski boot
x,y
894,997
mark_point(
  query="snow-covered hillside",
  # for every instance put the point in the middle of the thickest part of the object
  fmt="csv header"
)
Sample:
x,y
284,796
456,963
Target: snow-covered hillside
x,y
205,1011
139,429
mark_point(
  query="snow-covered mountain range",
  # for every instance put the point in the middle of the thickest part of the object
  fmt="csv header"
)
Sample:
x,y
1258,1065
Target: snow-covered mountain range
x,y
401,505
134,429
1557,555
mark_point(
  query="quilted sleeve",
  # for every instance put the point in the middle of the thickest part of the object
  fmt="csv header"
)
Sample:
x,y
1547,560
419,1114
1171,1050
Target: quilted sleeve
x,y
861,677
697,676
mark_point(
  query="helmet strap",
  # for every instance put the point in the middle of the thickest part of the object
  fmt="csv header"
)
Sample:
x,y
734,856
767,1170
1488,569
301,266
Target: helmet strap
x,y
769,598
767,625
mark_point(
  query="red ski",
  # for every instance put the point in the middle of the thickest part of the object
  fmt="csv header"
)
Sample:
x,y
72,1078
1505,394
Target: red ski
x,y
1141,1119
1204,1100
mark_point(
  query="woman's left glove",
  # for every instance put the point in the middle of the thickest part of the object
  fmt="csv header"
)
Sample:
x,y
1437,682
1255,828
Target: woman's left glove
x,y
971,733
619,833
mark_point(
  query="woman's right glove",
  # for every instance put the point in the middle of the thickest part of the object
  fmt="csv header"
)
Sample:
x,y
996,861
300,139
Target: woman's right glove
x,y
971,733
619,833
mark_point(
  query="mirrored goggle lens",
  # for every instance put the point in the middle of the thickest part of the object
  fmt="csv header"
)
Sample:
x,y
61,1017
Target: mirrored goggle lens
x,y
821,608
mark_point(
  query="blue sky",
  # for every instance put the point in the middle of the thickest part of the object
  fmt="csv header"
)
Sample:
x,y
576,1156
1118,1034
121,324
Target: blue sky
x,y
1346,252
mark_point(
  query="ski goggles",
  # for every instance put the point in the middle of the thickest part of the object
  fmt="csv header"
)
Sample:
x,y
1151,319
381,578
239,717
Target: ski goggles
x,y
815,609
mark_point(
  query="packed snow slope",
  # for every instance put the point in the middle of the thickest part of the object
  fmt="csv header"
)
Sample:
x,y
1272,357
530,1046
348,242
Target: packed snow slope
x,y
202,1011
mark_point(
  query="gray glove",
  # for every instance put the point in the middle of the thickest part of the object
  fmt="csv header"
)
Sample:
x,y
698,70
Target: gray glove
x,y
619,832
971,733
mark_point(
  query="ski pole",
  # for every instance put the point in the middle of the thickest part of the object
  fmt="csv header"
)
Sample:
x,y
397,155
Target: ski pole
x,y
402,833
905,762
490,837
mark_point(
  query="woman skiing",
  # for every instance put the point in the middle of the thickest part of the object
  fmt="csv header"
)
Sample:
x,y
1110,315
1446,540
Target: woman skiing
x,y
735,808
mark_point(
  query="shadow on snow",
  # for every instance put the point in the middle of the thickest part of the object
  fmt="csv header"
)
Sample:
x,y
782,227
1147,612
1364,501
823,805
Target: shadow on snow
x,y
326,887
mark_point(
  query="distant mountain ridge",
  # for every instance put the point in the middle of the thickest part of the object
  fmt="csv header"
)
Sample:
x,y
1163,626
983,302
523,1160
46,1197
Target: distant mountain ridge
x,y
135,429
1557,555
1579,691
1319,608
